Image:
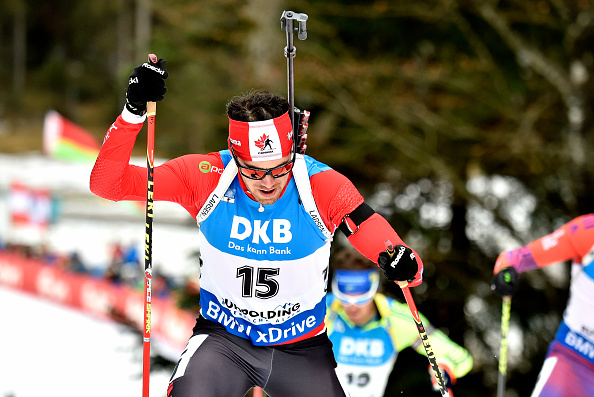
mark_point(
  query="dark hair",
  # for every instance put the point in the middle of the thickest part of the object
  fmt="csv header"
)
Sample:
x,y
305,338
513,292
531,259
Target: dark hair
x,y
257,105
351,259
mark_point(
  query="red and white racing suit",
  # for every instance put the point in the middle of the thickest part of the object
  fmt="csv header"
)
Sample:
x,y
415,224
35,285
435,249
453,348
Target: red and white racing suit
x,y
568,369
264,272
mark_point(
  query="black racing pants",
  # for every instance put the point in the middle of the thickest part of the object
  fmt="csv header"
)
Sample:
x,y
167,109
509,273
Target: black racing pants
x,y
217,363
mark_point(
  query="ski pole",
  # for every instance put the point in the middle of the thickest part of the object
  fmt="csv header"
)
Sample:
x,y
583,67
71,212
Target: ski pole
x,y
288,19
151,108
420,327
505,315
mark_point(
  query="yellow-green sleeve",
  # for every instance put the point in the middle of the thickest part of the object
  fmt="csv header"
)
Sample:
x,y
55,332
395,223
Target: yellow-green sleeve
x,y
450,356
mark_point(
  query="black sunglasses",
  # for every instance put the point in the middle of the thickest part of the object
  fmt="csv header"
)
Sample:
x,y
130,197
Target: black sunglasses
x,y
259,173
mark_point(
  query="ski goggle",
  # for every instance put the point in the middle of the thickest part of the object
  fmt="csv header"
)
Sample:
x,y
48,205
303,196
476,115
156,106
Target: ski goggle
x,y
259,173
355,287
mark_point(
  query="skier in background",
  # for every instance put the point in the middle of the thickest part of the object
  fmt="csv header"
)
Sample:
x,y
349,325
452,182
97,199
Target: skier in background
x,y
368,330
568,369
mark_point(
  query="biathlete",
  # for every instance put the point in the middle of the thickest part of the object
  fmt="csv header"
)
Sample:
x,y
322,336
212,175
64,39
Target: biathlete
x,y
266,218
369,329
568,369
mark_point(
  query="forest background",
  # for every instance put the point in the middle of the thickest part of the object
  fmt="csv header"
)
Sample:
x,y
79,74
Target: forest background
x,y
466,123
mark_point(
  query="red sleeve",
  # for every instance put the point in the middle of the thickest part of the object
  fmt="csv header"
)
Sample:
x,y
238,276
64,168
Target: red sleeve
x,y
336,196
185,180
570,242
111,167
371,236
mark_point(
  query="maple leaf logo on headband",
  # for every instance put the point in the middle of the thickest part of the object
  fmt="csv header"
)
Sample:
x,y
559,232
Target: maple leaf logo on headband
x,y
264,142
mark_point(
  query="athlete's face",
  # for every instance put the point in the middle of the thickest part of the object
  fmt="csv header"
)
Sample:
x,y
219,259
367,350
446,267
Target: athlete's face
x,y
268,189
360,314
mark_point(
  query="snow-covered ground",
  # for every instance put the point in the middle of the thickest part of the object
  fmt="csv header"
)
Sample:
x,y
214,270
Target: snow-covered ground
x,y
50,350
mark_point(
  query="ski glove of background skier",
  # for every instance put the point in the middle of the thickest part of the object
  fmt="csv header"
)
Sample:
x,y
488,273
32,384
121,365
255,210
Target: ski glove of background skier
x,y
505,283
401,265
147,83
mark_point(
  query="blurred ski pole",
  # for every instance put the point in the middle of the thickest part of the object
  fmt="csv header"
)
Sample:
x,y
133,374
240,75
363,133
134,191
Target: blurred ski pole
x,y
505,314
421,328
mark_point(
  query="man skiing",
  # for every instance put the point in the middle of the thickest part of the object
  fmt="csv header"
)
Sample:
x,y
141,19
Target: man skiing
x,y
369,329
568,369
266,220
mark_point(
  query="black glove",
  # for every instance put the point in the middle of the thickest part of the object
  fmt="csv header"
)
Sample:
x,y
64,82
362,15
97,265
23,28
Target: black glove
x,y
147,83
401,265
505,283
